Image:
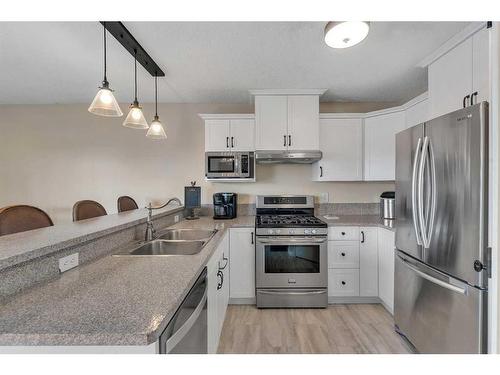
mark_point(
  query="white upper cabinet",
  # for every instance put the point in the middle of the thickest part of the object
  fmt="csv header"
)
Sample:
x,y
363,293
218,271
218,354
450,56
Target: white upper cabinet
x,y
229,132
417,113
450,79
243,135
287,122
271,122
481,65
303,122
217,135
380,145
460,75
341,141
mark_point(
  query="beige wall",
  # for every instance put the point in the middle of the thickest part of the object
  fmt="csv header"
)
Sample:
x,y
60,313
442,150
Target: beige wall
x,y
54,155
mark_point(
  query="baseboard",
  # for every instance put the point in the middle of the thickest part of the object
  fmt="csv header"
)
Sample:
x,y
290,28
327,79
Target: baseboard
x,y
390,311
242,301
348,300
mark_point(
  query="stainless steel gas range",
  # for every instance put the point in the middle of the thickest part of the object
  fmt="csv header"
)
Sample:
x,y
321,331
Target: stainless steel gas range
x,y
291,266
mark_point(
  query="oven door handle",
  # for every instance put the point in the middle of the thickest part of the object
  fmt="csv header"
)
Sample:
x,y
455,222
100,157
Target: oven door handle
x,y
291,240
274,292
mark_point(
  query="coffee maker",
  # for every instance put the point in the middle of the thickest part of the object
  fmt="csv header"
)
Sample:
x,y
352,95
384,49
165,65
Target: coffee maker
x,y
225,205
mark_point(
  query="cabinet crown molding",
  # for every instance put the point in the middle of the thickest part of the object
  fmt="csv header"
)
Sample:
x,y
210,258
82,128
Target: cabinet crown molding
x,y
287,91
218,116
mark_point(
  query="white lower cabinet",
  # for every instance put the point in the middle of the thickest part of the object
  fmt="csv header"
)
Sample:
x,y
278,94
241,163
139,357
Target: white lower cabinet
x,y
218,292
368,262
352,263
386,245
343,282
242,242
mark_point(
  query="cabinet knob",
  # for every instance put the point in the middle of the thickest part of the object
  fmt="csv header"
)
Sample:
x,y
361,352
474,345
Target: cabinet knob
x,y
343,233
343,254
343,282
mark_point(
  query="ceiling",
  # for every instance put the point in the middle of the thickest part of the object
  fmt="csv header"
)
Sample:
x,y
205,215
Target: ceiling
x,y
215,62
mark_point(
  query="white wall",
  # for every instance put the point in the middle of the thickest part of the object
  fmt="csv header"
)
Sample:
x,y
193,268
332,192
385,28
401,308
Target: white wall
x,y
54,155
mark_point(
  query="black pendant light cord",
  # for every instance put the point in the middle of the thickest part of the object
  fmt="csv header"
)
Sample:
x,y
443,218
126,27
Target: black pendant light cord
x,y
135,75
105,78
156,96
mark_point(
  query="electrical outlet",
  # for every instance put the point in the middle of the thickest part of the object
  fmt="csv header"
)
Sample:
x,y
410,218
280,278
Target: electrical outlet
x,y
68,262
176,218
323,197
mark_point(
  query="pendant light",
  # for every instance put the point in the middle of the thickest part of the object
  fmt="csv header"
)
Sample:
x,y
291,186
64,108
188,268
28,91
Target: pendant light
x,y
135,118
104,103
345,34
156,128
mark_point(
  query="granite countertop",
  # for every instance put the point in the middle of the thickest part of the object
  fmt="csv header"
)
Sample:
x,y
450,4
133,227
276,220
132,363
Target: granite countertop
x,y
111,301
24,246
359,220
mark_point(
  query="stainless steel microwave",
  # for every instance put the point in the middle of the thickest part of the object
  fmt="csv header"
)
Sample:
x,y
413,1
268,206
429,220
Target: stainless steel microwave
x,y
223,165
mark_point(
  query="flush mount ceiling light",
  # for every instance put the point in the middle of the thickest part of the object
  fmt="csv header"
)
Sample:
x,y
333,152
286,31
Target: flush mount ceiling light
x,y
135,118
345,34
156,130
104,103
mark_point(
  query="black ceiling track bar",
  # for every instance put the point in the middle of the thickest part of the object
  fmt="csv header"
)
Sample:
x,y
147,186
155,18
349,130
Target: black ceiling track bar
x,y
127,40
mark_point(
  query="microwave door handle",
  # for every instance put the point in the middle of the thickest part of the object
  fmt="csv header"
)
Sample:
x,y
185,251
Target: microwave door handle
x,y
414,200
421,170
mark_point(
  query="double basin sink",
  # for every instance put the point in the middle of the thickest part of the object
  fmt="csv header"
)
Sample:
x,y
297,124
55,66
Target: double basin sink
x,y
173,242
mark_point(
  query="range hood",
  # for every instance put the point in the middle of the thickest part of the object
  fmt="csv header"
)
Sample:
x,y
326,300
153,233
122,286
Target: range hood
x,y
289,157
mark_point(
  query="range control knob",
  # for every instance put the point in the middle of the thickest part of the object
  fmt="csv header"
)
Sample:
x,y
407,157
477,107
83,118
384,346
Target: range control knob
x,y
291,231
313,231
278,231
307,231
270,231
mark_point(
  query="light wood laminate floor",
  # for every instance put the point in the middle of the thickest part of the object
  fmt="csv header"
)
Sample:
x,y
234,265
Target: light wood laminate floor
x,y
356,328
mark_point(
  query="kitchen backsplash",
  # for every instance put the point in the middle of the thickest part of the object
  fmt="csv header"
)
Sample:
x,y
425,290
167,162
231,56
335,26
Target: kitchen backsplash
x,y
320,209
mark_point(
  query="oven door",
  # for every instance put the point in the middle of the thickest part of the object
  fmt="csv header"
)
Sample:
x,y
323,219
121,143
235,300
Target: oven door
x,y
291,262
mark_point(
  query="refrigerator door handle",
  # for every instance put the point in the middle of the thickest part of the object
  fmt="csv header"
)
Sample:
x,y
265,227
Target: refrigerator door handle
x,y
433,279
414,200
434,190
421,171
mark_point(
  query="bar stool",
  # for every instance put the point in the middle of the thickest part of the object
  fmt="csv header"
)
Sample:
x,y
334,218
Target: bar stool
x,y
20,218
87,209
126,203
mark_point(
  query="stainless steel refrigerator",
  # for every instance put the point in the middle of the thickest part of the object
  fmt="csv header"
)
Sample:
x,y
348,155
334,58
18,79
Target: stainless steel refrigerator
x,y
442,258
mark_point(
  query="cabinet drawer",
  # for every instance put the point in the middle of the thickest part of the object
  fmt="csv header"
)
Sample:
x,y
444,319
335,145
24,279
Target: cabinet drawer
x,y
343,283
343,233
343,254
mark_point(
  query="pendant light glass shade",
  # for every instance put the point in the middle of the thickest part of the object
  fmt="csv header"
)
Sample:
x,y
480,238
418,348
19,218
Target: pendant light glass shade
x,y
135,118
104,103
156,130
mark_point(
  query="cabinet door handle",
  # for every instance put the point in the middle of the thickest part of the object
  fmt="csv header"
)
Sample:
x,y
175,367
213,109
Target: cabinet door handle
x,y
284,140
251,237
227,142
289,140
474,94
220,274
464,101
343,282
362,236
232,142
320,171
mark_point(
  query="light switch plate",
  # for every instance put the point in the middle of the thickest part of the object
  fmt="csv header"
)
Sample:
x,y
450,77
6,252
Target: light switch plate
x,y
176,218
68,262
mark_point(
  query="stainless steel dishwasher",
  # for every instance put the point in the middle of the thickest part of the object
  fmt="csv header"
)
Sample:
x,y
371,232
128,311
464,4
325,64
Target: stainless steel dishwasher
x,y
186,333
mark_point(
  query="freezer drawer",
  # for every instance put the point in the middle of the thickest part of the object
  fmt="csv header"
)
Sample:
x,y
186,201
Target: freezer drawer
x,y
438,314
